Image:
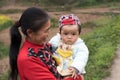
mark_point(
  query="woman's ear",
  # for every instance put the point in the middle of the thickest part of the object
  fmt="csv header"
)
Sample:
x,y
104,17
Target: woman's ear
x,y
29,32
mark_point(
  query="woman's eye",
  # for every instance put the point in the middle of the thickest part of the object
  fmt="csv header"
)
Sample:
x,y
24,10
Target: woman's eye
x,y
47,30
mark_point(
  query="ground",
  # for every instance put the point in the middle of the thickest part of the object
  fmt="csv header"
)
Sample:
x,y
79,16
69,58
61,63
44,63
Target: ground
x,y
4,35
115,69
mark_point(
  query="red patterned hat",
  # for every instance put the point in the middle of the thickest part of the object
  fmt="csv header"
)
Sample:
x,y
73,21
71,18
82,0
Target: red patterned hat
x,y
69,19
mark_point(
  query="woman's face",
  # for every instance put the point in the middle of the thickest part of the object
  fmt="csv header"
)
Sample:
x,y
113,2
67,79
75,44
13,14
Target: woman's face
x,y
69,34
40,37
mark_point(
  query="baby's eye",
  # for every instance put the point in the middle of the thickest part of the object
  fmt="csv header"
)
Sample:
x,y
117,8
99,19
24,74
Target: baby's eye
x,y
65,33
73,34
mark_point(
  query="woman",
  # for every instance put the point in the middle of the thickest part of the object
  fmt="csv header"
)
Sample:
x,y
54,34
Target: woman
x,y
32,60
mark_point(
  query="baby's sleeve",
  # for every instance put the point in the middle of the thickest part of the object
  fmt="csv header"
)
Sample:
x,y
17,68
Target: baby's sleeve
x,y
54,41
81,57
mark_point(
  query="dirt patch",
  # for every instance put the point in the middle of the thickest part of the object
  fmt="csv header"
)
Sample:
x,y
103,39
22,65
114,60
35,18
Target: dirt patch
x,y
85,31
4,36
14,17
90,10
13,6
4,65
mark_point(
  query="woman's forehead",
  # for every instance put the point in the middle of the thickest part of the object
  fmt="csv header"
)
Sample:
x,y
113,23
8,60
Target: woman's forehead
x,y
46,26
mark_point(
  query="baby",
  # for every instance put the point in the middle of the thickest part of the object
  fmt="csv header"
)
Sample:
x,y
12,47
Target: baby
x,y
71,52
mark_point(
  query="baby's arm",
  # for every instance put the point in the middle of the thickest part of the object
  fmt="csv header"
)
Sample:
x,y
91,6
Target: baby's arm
x,y
81,57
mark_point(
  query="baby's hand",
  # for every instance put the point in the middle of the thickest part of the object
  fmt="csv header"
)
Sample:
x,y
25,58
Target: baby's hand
x,y
74,72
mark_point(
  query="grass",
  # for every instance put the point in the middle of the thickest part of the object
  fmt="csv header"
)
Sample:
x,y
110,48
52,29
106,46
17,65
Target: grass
x,y
111,5
98,5
102,47
4,76
3,50
2,3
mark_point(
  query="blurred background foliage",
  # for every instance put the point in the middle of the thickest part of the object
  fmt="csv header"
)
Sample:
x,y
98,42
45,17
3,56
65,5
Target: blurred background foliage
x,y
60,4
102,41
5,22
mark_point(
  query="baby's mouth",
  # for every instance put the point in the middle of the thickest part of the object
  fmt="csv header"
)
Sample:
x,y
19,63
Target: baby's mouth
x,y
69,43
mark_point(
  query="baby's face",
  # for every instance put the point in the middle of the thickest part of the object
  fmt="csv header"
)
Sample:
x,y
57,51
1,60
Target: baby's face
x,y
69,34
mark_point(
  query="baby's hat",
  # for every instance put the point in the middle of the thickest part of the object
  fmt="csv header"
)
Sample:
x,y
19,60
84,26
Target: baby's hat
x,y
69,19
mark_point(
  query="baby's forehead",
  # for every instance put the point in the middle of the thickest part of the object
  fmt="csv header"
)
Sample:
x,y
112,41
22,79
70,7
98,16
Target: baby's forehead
x,y
70,28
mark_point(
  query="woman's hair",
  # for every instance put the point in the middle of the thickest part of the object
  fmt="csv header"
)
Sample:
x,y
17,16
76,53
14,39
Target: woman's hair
x,y
33,19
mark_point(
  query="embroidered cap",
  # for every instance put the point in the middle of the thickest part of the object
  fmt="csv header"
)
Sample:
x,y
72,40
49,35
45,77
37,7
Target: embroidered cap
x,y
69,19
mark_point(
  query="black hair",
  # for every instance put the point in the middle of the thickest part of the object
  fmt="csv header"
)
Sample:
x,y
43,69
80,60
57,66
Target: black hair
x,y
33,19
79,29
